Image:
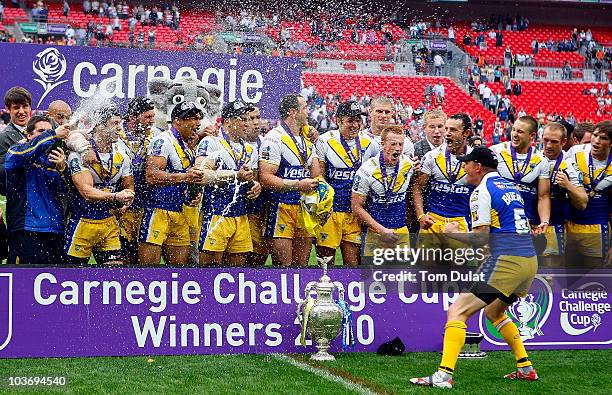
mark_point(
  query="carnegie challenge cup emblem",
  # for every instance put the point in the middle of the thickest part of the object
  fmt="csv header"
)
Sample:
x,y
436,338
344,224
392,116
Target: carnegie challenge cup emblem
x,y
6,309
50,66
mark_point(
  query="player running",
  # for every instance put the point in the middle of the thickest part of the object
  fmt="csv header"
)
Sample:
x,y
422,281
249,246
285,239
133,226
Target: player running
x,y
498,218
169,169
229,167
589,230
442,179
287,167
379,193
341,153
566,191
105,184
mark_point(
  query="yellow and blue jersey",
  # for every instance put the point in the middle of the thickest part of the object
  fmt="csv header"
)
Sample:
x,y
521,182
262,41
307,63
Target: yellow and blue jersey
x,y
33,186
293,156
537,168
449,193
341,165
597,211
559,200
256,206
106,177
136,148
179,158
496,202
228,155
385,196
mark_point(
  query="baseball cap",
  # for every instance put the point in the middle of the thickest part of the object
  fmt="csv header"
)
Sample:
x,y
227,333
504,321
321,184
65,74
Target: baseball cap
x,y
481,155
234,109
349,109
186,110
139,105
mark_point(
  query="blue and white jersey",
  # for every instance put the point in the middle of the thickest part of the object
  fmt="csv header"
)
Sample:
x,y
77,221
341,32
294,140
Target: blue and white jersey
x,y
559,200
341,166
292,154
449,192
228,155
531,172
497,202
386,196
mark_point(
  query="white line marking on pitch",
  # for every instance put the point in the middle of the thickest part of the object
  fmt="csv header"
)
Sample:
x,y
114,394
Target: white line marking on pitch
x,y
324,374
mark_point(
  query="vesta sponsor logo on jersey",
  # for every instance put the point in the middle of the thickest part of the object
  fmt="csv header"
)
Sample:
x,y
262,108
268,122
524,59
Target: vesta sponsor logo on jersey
x,y
341,174
6,309
583,309
293,172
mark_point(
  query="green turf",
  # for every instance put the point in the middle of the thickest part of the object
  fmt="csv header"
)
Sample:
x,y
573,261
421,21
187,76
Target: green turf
x,y
560,371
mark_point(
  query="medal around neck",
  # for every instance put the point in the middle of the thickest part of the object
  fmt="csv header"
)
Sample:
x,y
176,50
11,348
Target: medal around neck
x,y
322,317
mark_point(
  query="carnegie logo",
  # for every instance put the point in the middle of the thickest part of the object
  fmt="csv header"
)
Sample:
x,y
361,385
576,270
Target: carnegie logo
x,y
582,310
6,309
50,66
529,314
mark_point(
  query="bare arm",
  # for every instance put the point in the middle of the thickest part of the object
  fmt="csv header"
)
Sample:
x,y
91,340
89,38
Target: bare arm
x,y
357,206
478,237
420,183
155,173
544,199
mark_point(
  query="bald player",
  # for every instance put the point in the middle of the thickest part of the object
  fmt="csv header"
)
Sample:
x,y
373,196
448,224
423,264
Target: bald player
x,y
60,112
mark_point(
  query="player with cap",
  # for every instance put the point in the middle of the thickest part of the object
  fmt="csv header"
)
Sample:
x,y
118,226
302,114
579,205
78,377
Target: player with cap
x,y
529,169
382,112
257,207
498,219
341,153
378,199
442,179
101,186
566,189
168,171
287,167
229,166
134,139
588,230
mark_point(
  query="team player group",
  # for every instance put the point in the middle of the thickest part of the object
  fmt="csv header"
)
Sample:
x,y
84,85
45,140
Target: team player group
x,y
139,195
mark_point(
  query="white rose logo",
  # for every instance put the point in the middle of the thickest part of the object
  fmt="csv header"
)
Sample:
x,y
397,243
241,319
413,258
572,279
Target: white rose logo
x,y
50,66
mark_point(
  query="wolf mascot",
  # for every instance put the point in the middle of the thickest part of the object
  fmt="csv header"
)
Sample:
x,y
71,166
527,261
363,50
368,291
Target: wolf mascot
x,y
166,94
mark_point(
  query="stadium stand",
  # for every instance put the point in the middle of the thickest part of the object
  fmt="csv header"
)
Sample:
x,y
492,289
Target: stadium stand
x,y
410,89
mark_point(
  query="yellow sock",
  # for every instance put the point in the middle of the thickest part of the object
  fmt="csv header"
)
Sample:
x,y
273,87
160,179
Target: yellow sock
x,y
454,339
511,335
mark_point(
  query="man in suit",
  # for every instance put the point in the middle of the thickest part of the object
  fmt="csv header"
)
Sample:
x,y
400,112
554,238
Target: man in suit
x,y
434,121
18,103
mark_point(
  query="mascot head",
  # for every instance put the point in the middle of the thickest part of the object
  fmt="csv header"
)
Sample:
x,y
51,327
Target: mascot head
x,y
167,94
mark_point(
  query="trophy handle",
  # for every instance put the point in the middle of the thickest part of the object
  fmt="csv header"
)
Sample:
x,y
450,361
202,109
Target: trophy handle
x,y
340,289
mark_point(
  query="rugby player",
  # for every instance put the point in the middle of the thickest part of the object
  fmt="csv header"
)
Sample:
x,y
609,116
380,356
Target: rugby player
x,y
101,186
382,112
566,190
256,208
229,165
529,169
442,178
134,139
34,181
168,170
498,218
378,199
287,166
589,229
341,153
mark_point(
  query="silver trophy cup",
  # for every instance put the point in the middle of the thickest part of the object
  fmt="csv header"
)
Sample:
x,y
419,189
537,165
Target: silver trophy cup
x,y
319,314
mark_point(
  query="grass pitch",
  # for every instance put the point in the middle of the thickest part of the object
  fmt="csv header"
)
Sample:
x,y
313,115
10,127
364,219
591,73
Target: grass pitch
x,y
560,372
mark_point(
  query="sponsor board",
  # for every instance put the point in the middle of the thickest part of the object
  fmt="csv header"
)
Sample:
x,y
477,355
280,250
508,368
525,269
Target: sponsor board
x,y
75,73
76,312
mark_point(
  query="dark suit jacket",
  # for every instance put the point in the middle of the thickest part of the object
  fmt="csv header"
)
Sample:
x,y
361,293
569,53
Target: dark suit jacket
x,y
8,137
421,147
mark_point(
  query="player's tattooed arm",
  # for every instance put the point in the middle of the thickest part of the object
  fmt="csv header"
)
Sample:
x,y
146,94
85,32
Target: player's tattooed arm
x,y
478,237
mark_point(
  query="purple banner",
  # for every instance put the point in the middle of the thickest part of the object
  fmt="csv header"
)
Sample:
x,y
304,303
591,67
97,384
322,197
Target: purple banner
x,y
62,312
75,73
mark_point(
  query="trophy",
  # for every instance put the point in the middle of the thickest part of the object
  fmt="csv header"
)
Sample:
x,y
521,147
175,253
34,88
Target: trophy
x,y
527,312
471,349
321,317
